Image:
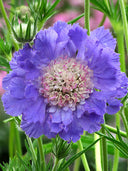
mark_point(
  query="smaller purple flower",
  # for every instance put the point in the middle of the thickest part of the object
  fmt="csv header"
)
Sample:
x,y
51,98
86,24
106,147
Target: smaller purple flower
x,y
65,83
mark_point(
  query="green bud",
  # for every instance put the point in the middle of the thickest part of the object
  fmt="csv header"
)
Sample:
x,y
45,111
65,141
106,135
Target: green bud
x,y
23,32
24,11
60,148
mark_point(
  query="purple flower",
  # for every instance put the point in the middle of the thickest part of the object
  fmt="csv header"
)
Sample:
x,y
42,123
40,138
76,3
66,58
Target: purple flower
x,y
65,83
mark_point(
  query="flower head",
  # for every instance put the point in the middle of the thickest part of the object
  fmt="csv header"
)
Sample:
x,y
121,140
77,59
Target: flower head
x,y
65,83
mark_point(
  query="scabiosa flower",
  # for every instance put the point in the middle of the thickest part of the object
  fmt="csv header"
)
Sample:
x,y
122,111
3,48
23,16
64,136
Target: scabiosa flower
x,y
65,83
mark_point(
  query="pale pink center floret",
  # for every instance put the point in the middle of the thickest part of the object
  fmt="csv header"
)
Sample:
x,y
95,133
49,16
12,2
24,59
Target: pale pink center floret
x,y
66,82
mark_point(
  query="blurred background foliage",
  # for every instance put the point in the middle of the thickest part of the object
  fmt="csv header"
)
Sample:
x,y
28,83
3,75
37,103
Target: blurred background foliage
x,y
66,10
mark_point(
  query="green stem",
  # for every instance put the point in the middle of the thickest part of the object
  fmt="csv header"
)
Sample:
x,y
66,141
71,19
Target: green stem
x,y
18,141
7,23
121,50
87,15
97,153
5,15
32,150
116,152
56,164
77,163
125,122
83,157
104,151
11,139
114,130
76,19
42,156
103,20
125,24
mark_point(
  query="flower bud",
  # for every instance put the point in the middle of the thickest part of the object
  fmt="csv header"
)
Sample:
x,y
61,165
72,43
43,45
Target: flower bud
x,y
61,148
24,32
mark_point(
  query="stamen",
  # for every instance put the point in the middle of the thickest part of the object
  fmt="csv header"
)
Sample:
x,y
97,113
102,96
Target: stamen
x,y
66,82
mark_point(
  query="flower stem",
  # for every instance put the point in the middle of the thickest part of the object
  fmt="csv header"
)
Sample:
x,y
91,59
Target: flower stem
x,y
104,151
77,163
103,20
18,141
5,15
97,153
56,164
32,150
11,139
7,23
116,152
121,50
125,24
87,15
83,157
114,130
125,122
42,156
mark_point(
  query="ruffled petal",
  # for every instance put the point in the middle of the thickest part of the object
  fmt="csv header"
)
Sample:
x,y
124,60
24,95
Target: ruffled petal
x,y
92,104
77,35
17,86
35,111
7,79
45,43
67,116
55,128
73,133
104,37
34,130
59,26
62,29
105,65
80,110
91,122
31,92
56,116
61,116
13,106
113,106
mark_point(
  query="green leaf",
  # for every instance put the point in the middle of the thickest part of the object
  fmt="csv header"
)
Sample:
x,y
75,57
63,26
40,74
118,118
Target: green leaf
x,y
24,163
66,164
5,69
4,62
8,120
120,145
52,7
101,6
76,19
60,148
49,165
5,47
